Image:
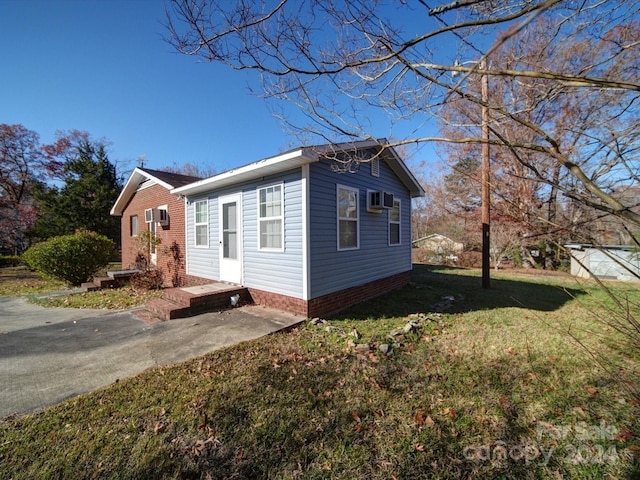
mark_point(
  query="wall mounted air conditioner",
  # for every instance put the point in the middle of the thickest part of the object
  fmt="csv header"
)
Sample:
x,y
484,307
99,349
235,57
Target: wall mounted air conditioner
x,y
157,215
378,200
163,217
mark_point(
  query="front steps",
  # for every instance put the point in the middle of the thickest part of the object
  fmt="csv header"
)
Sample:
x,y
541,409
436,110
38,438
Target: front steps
x,y
114,279
190,301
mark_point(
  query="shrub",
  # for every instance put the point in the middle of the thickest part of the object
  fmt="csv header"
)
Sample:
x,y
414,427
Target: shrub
x,y
71,258
151,279
10,261
470,259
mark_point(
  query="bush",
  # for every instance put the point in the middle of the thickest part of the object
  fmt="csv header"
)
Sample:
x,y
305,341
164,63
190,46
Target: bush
x,y
10,261
470,259
71,258
148,279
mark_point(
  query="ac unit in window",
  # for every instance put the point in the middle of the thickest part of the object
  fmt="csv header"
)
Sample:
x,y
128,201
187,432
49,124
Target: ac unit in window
x,y
378,200
163,217
157,215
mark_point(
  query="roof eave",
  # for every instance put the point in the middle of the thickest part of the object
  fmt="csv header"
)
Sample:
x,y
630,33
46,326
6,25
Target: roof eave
x,y
268,166
130,187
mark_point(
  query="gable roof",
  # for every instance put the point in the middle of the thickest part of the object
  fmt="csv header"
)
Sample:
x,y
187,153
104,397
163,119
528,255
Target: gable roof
x,y
140,175
298,157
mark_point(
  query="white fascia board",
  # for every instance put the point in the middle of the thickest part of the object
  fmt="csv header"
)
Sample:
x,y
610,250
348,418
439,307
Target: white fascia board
x,y
131,187
261,168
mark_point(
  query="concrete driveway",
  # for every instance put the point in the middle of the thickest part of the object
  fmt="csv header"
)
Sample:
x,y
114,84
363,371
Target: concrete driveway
x,y
49,355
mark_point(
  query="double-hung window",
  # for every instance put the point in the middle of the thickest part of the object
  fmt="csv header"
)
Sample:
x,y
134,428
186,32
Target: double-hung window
x,y
201,214
394,223
270,218
348,218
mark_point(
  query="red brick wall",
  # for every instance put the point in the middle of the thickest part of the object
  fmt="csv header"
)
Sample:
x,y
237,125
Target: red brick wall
x,y
293,305
333,302
171,236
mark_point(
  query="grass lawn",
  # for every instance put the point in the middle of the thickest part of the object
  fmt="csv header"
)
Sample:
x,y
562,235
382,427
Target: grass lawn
x,y
20,281
494,387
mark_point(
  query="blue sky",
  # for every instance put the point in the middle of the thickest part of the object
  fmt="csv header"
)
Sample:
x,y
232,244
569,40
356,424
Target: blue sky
x,y
103,67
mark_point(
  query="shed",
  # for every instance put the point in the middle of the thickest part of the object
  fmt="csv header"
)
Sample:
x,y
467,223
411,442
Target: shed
x,y
300,235
612,262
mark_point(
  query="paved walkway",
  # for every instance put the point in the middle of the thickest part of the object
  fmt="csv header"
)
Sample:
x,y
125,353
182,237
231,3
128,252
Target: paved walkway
x,y
49,355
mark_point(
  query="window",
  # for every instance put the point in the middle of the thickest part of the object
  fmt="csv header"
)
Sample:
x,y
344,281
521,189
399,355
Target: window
x,y
270,218
202,223
348,218
394,223
133,224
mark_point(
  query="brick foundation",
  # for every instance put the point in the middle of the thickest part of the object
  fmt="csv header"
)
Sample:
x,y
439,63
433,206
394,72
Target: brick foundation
x,y
333,302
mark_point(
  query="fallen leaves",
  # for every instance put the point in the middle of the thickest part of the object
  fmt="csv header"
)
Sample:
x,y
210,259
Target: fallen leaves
x,y
591,390
422,420
450,412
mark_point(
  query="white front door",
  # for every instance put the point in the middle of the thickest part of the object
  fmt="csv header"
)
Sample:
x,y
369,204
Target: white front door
x,y
230,239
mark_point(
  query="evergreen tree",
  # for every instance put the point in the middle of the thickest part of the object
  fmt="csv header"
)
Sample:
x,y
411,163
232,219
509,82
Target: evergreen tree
x,y
90,189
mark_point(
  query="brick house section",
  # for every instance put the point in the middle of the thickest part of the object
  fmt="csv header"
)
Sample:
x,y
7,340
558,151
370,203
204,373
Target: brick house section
x,y
146,189
333,302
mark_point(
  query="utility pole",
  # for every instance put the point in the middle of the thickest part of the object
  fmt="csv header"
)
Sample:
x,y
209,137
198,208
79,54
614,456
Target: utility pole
x,y
486,209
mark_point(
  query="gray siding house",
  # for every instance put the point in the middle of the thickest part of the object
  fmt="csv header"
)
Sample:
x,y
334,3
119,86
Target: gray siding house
x,y
300,235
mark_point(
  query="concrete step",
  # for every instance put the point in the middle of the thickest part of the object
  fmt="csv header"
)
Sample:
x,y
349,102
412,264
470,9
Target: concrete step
x,y
217,299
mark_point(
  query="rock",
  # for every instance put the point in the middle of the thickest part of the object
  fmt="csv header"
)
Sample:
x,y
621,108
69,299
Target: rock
x,y
317,321
410,327
332,329
385,348
395,332
363,348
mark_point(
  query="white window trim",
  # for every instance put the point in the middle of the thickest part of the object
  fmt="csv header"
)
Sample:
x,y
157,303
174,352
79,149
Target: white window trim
x,y
131,234
338,218
394,222
279,217
196,224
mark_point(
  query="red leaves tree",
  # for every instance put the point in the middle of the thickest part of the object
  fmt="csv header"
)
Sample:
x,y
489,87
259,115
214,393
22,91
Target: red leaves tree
x,y
24,163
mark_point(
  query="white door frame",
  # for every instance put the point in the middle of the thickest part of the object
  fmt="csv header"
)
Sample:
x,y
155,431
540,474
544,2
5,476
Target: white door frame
x,y
230,239
153,247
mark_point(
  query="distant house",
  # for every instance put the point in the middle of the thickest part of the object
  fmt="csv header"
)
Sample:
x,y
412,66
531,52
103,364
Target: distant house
x,y
301,236
439,244
613,262
146,204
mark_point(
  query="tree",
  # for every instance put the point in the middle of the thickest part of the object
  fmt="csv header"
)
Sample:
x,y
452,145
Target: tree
x,y
338,61
192,170
90,188
23,164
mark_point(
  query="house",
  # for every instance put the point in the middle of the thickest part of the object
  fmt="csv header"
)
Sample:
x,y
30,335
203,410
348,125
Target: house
x,y
301,235
146,204
613,262
439,244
